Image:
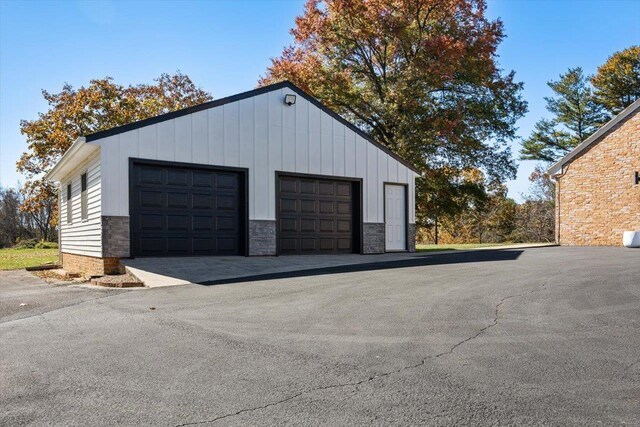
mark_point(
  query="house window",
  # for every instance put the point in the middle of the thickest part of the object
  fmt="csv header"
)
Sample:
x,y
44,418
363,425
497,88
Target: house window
x,y
83,197
69,205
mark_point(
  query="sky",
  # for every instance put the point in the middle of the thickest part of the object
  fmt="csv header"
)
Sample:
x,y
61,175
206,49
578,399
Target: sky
x,y
224,46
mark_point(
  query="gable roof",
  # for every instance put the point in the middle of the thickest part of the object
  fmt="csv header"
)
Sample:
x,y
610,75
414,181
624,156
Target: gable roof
x,y
557,167
244,95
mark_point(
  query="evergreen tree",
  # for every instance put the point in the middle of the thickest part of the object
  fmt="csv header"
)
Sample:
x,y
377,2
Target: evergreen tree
x,y
576,115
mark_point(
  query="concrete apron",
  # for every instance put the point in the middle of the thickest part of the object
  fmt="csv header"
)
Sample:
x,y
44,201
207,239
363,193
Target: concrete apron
x,y
175,271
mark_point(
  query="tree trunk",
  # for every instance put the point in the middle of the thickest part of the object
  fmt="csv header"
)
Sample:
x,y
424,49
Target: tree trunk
x,y
436,229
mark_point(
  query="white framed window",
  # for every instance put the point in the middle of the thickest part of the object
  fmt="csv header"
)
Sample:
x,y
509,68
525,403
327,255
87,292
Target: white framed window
x,y
84,213
69,204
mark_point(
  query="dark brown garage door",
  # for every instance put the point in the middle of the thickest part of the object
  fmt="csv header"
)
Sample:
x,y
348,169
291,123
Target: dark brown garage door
x,y
317,215
184,210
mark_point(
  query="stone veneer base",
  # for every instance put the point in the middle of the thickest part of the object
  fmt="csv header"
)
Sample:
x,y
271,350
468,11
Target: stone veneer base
x,y
115,236
373,238
412,238
262,237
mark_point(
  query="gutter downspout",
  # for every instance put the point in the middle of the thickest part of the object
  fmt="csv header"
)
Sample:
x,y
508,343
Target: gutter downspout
x,y
557,177
59,225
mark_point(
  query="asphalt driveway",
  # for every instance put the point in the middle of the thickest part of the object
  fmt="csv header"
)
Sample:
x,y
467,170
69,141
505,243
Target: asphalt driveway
x,y
512,337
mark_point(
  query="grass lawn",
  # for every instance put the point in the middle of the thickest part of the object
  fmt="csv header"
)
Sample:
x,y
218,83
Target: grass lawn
x,y
13,259
456,247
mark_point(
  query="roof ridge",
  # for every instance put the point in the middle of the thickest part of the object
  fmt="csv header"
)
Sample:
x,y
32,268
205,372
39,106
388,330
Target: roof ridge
x,y
238,97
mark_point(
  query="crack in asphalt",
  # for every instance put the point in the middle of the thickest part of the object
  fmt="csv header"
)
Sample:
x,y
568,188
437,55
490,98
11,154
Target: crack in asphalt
x,y
423,362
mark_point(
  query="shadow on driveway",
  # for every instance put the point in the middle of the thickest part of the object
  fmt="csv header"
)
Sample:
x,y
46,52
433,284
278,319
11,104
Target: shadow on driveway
x,y
417,260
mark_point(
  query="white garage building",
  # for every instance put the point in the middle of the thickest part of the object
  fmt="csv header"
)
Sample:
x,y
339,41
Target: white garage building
x,y
266,172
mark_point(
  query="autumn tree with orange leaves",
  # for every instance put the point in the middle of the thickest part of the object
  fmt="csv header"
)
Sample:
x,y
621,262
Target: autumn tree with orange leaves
x,y
75,112
422,77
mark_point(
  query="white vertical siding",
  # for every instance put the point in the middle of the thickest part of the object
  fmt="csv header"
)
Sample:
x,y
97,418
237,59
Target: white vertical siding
x,y
82,237
264,135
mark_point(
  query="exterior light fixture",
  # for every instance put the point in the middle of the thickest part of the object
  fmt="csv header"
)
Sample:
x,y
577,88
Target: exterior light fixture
x,y
289,99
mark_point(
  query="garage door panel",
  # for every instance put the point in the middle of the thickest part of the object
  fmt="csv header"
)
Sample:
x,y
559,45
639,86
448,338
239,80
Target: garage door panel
x,y
177,177
182,210
343,189
344,226
289,225
288,185
289,206
327,244
326,188
308,225
308,206
178,245
316,215
226,202
226,180
202,223
327,226
343,208
177,222
288,244
177,200
226,223
203,179
344,244
150,222
308,187
202,201
326,207
203,246
150,175
308,244
150,199
226,246
150,245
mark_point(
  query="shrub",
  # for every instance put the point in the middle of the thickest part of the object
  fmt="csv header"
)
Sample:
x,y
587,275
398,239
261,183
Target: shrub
x,y
35,244
26,244
46,245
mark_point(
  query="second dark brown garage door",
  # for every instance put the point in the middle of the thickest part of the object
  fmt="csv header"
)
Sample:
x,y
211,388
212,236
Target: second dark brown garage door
x,y
317,215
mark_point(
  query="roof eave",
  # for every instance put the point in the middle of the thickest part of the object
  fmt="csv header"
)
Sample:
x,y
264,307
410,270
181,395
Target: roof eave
x,y
556,168
78,152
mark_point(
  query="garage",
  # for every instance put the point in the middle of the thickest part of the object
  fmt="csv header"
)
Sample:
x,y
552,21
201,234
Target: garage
x,y
317,215
271,171
186,210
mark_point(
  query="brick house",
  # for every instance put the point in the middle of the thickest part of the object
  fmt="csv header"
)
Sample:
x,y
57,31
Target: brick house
x,y
271,171
598,184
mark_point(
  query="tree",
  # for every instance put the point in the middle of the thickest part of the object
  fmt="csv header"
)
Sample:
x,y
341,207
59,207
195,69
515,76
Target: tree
x,y
17,225
617,82
11,226
421,77
76,112
576,115
535,217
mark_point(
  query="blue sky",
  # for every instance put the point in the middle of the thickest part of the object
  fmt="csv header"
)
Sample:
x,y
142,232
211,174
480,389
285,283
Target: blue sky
x,y
224,46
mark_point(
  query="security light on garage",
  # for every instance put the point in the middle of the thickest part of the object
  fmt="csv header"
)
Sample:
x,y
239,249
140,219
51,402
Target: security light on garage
x,y
289,99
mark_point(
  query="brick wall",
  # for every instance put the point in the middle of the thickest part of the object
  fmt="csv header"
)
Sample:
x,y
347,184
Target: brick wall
x,y
88,265
596,197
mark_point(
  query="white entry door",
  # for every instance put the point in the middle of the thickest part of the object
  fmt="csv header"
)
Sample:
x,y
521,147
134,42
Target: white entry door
x,y
395,216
